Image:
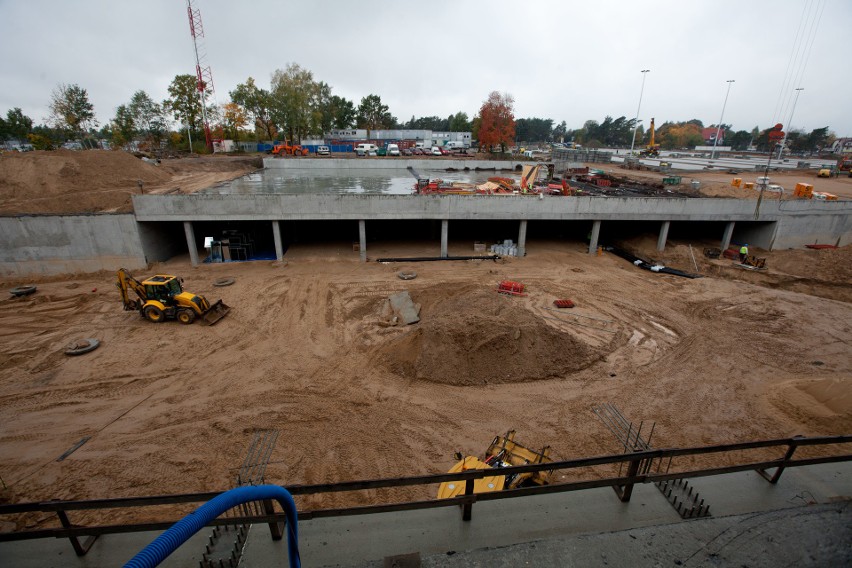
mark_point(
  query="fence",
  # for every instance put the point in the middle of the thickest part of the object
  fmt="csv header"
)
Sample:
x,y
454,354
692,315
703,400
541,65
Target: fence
x,y
640,469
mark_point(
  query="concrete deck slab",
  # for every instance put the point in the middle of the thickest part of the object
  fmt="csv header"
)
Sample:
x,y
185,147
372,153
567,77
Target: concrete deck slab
x,y
806,519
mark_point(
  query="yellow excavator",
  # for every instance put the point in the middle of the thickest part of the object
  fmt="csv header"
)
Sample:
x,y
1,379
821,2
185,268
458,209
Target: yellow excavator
x,y
162,297
651,150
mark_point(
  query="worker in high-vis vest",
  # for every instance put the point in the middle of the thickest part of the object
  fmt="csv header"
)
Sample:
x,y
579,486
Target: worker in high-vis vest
x,y
743,253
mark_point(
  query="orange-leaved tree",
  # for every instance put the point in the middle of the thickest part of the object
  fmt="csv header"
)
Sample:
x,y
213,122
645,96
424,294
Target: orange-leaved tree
x,y
497,121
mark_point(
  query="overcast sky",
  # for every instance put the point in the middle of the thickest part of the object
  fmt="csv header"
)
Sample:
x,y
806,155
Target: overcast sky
x,y
564,60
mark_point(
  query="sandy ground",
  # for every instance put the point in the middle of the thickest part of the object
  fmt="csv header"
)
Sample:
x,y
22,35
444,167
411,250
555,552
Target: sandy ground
x,y
172,408
69,182
737,355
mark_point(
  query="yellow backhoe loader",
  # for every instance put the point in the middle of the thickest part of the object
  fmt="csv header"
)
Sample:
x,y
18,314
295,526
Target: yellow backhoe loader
x,y
504,451
161,297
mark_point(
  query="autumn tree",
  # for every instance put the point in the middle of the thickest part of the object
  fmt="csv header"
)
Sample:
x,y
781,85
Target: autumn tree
x,y
71,110
234,119
374,115
257,103
679,135
497,126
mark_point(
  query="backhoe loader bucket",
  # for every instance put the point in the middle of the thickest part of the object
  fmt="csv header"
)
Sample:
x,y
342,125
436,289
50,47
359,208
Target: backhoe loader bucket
x,y
216,312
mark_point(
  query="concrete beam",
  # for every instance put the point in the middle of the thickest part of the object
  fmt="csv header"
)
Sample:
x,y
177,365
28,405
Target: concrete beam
x,y
664,235
726,236
593,241
190,242
276,235
445,225
362,239
522,239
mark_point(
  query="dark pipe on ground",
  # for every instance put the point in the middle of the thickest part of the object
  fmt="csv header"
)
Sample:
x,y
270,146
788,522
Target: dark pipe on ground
x,y
434,258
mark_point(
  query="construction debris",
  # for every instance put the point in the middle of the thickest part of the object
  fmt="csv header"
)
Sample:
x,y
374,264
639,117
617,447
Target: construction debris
x,y
401,309
511,288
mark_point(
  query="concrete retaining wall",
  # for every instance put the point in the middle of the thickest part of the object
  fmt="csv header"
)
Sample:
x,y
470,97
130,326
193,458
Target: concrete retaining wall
x,y
386,163
206,207
53,244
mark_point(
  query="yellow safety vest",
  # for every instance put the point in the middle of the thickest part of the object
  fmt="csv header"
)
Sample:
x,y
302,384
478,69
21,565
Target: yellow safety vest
x,y
743,250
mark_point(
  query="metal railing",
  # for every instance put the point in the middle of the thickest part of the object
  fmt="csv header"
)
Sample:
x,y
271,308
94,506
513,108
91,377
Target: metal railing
x,y
639,470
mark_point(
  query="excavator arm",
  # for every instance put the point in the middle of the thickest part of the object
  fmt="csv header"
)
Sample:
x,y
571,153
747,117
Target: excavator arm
x,y
125,283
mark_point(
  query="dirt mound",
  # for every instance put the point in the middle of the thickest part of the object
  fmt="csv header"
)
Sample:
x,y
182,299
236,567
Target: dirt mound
x,y
476,337
67,171
69,182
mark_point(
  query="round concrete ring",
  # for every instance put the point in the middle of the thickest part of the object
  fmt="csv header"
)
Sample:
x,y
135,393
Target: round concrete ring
x,y
223,282
407,275
82,346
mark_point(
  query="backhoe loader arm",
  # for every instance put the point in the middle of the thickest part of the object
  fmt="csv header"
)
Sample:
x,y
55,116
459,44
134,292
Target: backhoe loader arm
x,y
125,283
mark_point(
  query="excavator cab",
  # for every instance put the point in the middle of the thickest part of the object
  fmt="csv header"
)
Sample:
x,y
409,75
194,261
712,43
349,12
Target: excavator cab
x,y
162,288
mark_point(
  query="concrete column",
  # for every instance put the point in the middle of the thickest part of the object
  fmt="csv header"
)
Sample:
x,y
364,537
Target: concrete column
x,y
593,242
362,239
726,236
276,234
664,235
522,239
190,242
445,225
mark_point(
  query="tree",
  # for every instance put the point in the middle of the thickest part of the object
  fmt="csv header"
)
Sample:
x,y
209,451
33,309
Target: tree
x,y
679,135
475,125
71,110
17,125
533,129
497,125
373,115
459,122
184,102
560,131
257,103
124,129
738,140
343,112
234,119
149,118
294,93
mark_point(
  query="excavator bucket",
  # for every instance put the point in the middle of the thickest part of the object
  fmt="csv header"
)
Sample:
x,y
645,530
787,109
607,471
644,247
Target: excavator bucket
x,y
216,312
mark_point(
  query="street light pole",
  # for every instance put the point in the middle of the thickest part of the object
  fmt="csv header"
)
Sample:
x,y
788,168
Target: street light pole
x,y
636,120
789,122
721,118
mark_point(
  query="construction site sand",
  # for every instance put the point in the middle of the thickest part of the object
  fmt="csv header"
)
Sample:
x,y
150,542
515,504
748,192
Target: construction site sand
x,y
171,408
168,408
70,182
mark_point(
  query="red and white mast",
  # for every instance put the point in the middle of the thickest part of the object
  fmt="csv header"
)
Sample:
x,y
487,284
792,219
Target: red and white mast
x,y
204,76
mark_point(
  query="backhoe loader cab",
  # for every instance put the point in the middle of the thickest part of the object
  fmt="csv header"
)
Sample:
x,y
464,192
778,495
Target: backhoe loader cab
x,y
162,297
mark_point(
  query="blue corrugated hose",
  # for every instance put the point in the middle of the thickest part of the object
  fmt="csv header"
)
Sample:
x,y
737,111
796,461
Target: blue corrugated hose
x,y
182,530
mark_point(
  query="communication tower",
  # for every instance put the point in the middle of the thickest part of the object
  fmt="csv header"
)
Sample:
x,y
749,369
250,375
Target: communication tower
x,y
204,77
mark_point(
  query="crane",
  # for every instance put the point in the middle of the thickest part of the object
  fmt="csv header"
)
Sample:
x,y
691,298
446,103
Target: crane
x,y
203,74
651,150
